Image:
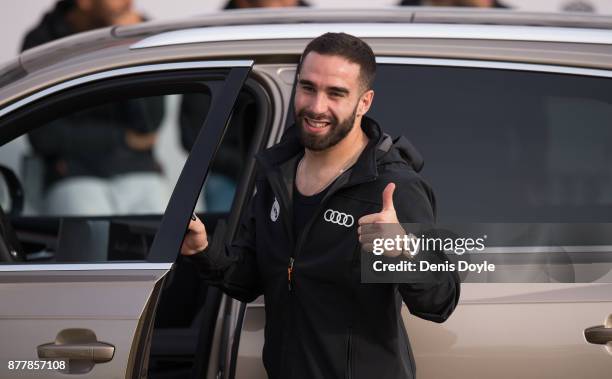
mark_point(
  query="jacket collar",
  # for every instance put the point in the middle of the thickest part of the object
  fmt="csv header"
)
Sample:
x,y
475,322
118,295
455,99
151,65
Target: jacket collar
x,y
285,154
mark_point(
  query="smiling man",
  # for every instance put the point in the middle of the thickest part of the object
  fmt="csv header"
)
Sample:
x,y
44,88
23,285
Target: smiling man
x,y
333,171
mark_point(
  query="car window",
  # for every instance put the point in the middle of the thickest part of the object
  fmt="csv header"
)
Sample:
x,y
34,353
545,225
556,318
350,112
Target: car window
x,y
97,169
84,171
504,146
99,160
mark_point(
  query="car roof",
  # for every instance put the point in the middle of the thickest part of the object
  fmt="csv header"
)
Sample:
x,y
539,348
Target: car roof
x,y
391,14
562,36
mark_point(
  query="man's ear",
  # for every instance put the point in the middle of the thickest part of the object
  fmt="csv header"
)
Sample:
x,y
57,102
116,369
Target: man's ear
x,y
365,102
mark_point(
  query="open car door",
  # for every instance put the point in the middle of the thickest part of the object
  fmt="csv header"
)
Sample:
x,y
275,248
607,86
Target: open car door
x,y
74,300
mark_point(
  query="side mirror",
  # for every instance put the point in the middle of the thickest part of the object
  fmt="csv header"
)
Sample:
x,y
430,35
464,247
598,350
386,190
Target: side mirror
x,y
11,192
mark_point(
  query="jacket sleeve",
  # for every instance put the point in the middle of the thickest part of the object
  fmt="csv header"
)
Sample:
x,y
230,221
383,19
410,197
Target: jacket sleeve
x,y
233,268
434,300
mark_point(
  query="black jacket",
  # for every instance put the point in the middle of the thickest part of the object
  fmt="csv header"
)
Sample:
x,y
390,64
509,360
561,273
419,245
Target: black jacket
x,y
327,324
91,142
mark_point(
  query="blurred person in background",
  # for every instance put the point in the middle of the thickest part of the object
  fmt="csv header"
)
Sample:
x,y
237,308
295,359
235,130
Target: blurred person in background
x,y
579,6
238,4
456,3
100,160
232,154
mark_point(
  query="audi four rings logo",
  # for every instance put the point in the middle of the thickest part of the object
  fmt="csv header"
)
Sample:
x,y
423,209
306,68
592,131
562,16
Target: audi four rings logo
x,y
338,218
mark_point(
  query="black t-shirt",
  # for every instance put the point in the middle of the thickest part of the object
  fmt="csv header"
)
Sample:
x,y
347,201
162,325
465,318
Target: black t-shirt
x,y
304,207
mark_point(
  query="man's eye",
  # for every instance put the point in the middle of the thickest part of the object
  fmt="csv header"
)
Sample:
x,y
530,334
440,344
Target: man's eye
x,y
335,94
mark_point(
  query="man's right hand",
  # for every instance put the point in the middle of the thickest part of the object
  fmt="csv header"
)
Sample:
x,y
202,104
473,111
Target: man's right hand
x,y
196,239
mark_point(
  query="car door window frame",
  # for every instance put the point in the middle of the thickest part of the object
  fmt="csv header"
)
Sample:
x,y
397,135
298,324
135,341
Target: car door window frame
x,y
15,119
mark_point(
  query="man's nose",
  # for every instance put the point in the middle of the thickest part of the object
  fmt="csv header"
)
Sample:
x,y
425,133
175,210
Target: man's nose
x,y
319,104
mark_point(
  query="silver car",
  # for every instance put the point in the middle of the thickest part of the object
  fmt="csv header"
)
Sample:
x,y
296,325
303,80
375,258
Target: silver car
x,y
511,111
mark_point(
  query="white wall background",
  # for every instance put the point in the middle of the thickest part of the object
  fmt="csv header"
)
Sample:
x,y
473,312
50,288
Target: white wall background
x,y
17,16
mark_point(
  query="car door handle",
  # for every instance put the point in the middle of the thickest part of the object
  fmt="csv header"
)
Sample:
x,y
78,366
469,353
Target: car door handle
x,y
600,334
97,352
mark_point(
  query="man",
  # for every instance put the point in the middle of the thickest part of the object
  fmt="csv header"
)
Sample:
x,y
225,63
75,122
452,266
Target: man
x,y
96,161
321,322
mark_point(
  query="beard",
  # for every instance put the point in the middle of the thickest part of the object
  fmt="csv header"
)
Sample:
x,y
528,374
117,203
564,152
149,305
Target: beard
x,y
336,133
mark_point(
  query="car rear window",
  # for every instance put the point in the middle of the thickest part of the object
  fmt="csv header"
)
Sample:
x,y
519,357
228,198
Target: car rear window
x,y
503,145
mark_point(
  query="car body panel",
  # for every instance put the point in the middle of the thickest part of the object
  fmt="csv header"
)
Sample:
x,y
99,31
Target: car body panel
x,y
40,302
488,336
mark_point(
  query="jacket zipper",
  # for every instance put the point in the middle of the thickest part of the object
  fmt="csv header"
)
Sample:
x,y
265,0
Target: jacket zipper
x,y
281,195
289,271
349,353
336,186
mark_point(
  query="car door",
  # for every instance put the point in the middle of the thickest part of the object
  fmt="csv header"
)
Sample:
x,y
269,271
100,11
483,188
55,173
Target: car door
x,y
507,143
79,290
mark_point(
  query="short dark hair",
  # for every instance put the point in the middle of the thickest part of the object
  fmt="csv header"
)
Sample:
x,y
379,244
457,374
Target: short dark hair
x,y
346,46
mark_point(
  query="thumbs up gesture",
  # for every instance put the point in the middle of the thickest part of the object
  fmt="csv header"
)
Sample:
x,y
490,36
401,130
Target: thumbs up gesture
x,y
387,213
383,224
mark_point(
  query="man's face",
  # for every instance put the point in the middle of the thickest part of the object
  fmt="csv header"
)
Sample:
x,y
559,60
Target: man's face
x,y
328,97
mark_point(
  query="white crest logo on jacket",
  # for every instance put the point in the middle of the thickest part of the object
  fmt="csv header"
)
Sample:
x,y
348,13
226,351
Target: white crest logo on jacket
x,y
275,211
